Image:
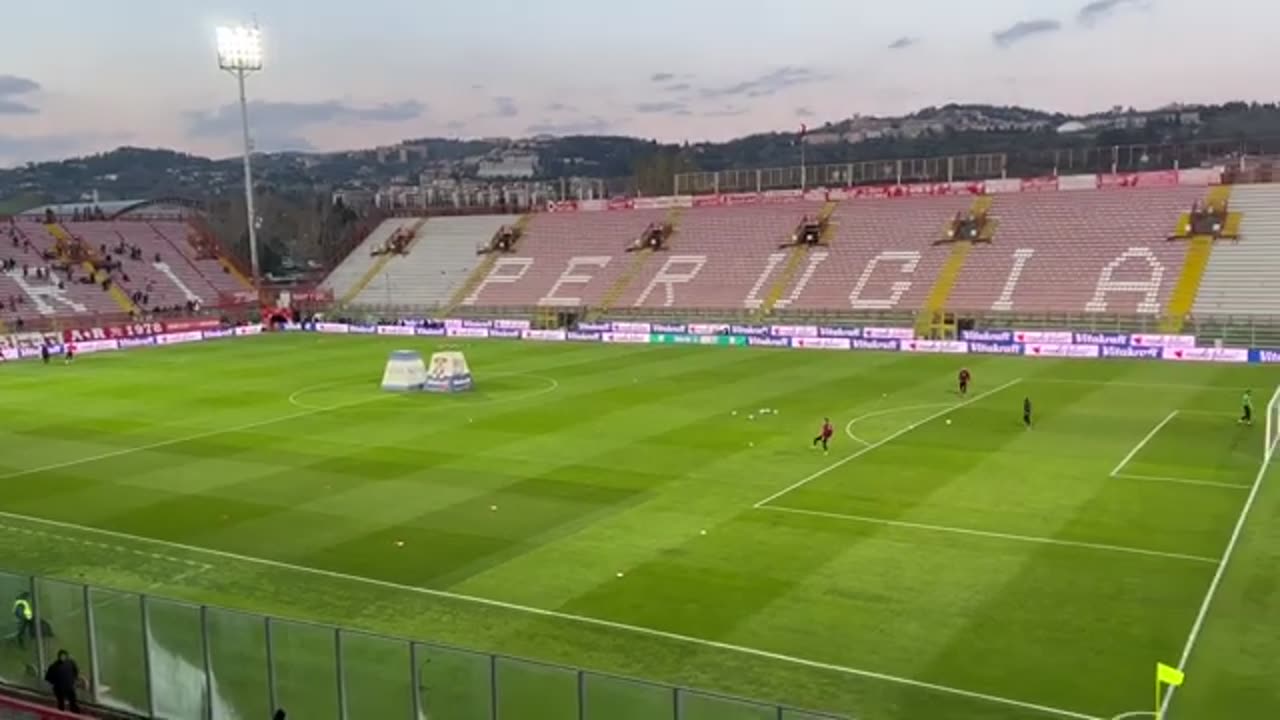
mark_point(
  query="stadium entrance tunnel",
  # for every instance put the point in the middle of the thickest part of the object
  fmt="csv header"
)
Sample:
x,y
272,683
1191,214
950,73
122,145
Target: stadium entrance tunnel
x,y
366,390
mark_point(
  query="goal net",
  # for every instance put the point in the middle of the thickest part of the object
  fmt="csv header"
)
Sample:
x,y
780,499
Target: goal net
x,y
1273,427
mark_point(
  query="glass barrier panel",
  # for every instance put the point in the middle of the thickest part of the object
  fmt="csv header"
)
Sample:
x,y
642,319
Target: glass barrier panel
x,y
238,661
378,679
62,619
175,647
454,684
523,685
117,636
305,661
611,698
702,706
18,659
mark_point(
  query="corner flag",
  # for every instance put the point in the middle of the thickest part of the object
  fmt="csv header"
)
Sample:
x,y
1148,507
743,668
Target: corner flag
x,y
1166,675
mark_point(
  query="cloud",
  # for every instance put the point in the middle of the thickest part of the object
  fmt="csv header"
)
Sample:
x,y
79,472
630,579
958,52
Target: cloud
x,y
661,77
727,111
771,83
560,107
505,107
804,112
678,87
1023,30
903,43
584,126
281,125
1096,11
11,86
665,106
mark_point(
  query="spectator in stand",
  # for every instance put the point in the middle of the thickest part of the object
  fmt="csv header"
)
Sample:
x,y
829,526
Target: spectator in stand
x,y
63,675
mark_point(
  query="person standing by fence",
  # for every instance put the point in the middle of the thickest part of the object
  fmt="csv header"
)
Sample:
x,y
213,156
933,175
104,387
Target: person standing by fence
x,y
63,675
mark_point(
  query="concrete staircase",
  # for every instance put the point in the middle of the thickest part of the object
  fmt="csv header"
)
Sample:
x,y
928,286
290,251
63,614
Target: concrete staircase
x,y
481,271
440,263
931,317
638,262
1199,251
795,260
1243,277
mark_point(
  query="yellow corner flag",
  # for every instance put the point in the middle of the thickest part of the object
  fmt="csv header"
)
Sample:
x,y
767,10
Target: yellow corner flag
x,y
1166,675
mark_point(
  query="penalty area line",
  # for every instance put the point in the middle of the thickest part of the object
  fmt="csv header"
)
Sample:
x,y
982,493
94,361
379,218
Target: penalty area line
x,y
894,436
579,619
1143,443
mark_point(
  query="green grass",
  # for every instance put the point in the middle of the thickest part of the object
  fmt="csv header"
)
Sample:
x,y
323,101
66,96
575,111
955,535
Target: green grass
x,y
947,571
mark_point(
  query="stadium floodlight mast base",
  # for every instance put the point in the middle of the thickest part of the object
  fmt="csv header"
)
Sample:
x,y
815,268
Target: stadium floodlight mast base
x,y
240,53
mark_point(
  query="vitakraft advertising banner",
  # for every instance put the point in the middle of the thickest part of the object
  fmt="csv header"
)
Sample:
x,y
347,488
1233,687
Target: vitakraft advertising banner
x,y
248,330
595,327
626,338
1130,353
363,329
1103,339
1040,337
401,330
1264,355
466,332
93,346
945,347
702,329
872,344
128,343
631,327
1195,354
179,338
873,333
333,328
676,329
506,334
1054,350
817,343
987,336
793,331
544,335
994,348
750,330
482,324
220,333
764,341
512,324
840,332
1163,341
431,332
579,336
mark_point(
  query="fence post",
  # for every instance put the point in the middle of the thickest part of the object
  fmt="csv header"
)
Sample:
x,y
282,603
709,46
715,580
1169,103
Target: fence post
x,y
35,618
91,634
342,676
493,687
582,695
271,665
208,661
146,654
675,703
415,681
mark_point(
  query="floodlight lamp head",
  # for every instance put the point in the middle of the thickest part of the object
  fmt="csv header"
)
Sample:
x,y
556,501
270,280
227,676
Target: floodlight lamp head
x,y
239,48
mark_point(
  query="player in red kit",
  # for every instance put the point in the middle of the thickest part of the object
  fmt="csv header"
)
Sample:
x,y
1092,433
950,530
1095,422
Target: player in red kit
x,y
964,381
824,436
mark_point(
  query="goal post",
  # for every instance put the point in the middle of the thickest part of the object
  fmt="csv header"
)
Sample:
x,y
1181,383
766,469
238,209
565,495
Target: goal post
x,y
1270,440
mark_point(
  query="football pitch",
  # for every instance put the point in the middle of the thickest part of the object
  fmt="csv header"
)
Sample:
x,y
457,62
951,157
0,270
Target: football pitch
x,y
660,513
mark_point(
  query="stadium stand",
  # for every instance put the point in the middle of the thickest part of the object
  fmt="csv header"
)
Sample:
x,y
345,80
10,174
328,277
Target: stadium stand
x,y
356,271
1243,276
36,284
438,265
564,260
1102,251
216,270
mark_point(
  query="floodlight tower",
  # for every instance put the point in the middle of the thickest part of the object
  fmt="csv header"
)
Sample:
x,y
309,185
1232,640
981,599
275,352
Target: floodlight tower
x,y
240,53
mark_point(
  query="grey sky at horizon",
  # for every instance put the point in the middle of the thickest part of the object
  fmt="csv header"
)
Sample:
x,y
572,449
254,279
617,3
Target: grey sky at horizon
x,y
345,76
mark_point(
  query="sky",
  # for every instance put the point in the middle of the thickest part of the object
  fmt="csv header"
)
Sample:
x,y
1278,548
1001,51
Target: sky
x,y
79,76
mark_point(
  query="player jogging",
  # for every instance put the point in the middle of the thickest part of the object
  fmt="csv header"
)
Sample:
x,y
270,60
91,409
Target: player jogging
x,y
964,381
1026,412
825,435
1246,414
70,353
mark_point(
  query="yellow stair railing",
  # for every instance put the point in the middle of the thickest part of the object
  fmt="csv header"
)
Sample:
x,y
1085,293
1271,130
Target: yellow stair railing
x,y
1199,250
932,316
481,272
795,261
65,242
380,264
634,268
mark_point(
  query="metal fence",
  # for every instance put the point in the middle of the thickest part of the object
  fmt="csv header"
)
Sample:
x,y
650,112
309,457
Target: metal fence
x,y
155,657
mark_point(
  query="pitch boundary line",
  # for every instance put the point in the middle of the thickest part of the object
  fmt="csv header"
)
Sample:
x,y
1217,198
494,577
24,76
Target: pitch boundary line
x,y
582,619
1143,443
894,436
991,534
1203,613
1181,481
193,564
